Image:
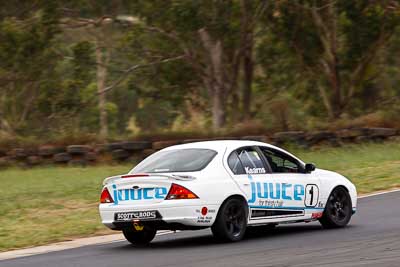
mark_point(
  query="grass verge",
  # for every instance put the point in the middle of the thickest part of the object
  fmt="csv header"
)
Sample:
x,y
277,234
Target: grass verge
x,y
371,167
44,205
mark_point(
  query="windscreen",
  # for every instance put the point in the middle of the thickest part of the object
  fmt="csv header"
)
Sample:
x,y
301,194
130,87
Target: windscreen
x,y
179,160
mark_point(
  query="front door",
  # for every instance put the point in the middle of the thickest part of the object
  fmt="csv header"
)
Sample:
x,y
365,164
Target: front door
x,y
275,184
291,191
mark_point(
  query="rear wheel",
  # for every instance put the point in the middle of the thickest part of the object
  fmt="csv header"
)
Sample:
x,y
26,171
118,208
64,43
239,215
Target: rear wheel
x,y
338,209
140,238
231,221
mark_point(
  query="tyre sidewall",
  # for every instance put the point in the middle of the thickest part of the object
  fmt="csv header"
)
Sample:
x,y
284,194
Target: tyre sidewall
x,y
140,238
219,228
327,221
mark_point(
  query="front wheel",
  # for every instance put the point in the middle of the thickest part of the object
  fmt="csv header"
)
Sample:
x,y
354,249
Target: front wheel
x,y
140,238
231,222
338,209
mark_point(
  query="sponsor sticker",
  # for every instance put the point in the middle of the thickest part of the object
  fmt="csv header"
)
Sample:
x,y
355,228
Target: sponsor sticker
x,y
129,216
274,194
132,194
316,215
254,170
204,216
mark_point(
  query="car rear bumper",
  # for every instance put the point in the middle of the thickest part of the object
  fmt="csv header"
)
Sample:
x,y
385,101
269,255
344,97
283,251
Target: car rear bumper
x,y
173,218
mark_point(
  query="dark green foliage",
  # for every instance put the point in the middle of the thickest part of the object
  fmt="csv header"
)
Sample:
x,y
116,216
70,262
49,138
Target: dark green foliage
x,y
338,53
49,69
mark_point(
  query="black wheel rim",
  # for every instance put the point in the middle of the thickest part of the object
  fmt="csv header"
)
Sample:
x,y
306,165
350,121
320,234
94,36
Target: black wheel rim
x,y
235,219
339,206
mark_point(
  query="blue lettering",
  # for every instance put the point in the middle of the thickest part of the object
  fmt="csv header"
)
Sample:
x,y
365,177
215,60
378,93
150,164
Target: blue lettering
x,y
145,193
260,193
284,187
282,191
126,194
161,192
298,191
138,194
277,191
119,194
115,193
253,190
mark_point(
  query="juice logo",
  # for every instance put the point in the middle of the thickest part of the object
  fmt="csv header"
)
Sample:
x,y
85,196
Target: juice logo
x,y
275,191
120,195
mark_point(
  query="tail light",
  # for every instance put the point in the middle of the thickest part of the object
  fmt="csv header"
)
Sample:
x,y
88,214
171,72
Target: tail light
x,y
105,196
179,192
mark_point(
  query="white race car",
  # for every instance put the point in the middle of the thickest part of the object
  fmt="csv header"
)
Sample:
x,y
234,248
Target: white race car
x,y
225,185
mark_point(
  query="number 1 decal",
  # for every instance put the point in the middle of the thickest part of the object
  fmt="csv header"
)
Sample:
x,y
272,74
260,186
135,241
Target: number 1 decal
x,y
312,195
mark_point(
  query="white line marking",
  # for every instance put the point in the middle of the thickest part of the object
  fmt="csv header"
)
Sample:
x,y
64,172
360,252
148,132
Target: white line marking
x,y
380,193
98,240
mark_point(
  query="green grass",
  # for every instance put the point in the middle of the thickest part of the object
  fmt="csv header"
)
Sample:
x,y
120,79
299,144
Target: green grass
x,y
371,167
44,205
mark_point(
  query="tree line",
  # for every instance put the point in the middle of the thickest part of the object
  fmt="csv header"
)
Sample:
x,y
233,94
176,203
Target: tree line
x,y
128,67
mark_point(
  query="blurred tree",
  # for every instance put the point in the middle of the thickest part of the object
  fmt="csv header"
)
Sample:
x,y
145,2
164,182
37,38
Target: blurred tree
x,y
108,67
336,42
214,37
103,24
95,19
27,60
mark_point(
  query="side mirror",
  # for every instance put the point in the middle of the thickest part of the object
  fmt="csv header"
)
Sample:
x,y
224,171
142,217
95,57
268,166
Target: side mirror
x,y
309,167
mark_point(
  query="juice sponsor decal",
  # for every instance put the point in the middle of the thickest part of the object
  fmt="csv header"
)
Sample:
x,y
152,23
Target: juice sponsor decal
x,y
274,195
275,191
132,194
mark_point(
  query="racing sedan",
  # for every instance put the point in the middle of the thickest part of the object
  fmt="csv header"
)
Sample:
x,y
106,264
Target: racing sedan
x,y
226,185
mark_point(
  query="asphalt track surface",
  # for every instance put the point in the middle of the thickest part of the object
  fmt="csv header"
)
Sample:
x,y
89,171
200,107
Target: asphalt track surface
x,y
371,239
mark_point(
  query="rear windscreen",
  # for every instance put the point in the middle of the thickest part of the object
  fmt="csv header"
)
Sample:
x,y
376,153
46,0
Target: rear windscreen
x,y
179,160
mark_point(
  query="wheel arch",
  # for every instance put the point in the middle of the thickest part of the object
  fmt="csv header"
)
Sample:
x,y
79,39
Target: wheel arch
x,y
340,186
333,182
238,196
234,196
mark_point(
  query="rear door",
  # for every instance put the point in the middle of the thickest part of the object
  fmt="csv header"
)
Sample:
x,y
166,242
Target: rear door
x,y
249,170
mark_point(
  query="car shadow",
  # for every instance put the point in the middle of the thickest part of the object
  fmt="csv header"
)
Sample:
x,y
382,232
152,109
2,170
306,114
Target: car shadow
x,y
205,238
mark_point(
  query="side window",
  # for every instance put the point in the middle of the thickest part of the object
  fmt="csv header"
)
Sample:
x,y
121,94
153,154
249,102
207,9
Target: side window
x,y
251,161
234,164
280,162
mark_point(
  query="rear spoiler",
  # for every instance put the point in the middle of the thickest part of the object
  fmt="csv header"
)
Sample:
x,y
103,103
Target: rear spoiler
x,y
180,177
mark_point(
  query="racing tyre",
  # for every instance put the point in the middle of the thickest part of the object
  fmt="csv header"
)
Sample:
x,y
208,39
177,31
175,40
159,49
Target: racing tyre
x,y
140,238
338,209
231,222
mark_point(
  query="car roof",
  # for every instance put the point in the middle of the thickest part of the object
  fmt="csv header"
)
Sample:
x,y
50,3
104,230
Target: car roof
x,y
221,145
